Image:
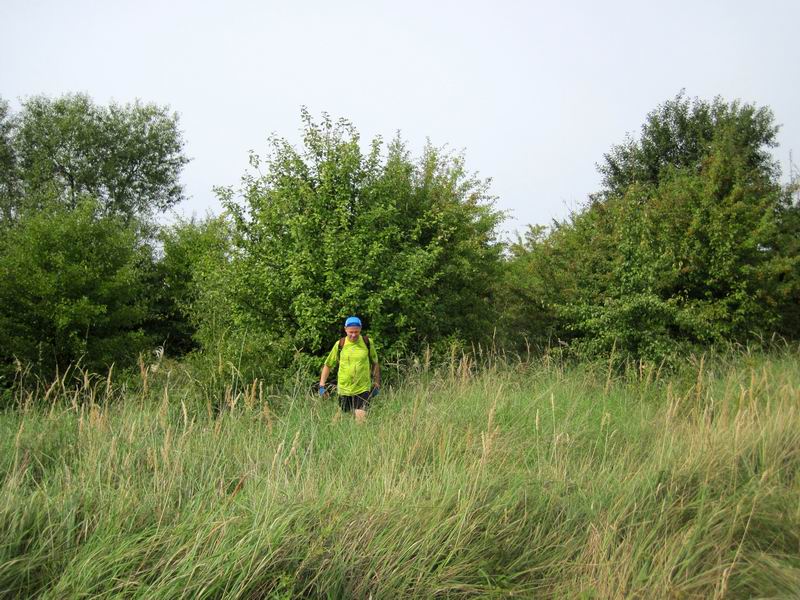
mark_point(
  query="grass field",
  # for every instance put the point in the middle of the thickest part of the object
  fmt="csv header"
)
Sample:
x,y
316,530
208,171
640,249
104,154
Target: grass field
x,y
509,480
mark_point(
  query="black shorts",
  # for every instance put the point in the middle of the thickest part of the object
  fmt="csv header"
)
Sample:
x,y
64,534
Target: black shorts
x,y
357,402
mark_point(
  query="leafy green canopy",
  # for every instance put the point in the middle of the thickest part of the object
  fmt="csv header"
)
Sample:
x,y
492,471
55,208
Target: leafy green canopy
x,y
128,157
682,133
71,288
691,241
327,231
8,167
185,284
79,184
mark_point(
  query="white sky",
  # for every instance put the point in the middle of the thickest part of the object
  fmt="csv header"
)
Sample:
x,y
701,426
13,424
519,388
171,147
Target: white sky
x,y
533,92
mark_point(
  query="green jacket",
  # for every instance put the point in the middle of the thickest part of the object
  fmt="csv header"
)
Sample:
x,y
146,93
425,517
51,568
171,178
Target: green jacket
x,y
354,369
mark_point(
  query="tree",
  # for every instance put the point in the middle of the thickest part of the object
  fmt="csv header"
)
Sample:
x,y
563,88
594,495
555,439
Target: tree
x,y
681,132
71,289
8,166
184,283
329,231
79,184
688,244
128,158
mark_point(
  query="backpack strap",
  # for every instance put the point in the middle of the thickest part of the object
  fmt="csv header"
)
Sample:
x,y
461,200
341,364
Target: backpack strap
x,y
366,342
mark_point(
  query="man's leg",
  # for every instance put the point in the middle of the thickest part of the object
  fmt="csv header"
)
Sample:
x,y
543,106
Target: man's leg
x,y
346,403
360,406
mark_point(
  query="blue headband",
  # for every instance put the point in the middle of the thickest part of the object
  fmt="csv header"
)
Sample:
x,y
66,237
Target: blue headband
x,y
352,322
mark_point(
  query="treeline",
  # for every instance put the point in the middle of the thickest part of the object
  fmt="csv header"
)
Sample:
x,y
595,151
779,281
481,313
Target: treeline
x,y
692,242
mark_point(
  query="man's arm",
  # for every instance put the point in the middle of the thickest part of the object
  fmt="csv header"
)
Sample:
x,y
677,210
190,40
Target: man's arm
x,y
332,359
326,370
376,367
376,375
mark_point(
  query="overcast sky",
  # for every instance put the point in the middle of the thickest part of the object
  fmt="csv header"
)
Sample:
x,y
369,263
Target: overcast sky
x,y
533,92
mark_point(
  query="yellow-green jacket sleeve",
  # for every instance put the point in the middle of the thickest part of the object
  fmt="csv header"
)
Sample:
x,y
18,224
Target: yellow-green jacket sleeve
x,y
333,356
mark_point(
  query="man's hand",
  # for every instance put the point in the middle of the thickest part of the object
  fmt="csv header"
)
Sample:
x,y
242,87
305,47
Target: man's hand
x,y
322,390
375,391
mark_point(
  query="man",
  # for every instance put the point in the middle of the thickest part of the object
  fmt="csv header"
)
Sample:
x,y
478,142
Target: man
x,y
354,357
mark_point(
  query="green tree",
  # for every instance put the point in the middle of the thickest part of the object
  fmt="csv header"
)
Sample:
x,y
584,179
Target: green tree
x,y
8,166
71,289
79,185
689,242
681,132
328,231
127,157
185,282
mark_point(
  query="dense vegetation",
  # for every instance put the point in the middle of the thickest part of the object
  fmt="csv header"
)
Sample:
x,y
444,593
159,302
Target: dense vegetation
x,y
80,186
329,232
692,243
504,479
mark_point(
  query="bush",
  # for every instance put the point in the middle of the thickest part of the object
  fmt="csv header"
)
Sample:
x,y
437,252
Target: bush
x,y
687,245
328,231
71,289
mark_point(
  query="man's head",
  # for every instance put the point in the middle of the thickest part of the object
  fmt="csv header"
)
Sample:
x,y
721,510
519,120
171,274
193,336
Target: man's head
x,y
352,327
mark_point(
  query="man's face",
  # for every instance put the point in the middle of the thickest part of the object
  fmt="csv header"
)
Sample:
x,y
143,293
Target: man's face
x,y
352,333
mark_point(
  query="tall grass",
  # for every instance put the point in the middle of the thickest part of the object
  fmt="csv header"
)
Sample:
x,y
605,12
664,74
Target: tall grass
x,y
526,479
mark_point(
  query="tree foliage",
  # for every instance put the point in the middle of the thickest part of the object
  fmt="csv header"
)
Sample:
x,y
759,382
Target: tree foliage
x,y
185,282
79,184
327,231
691,241
681,133
127,157
8,165
71,289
